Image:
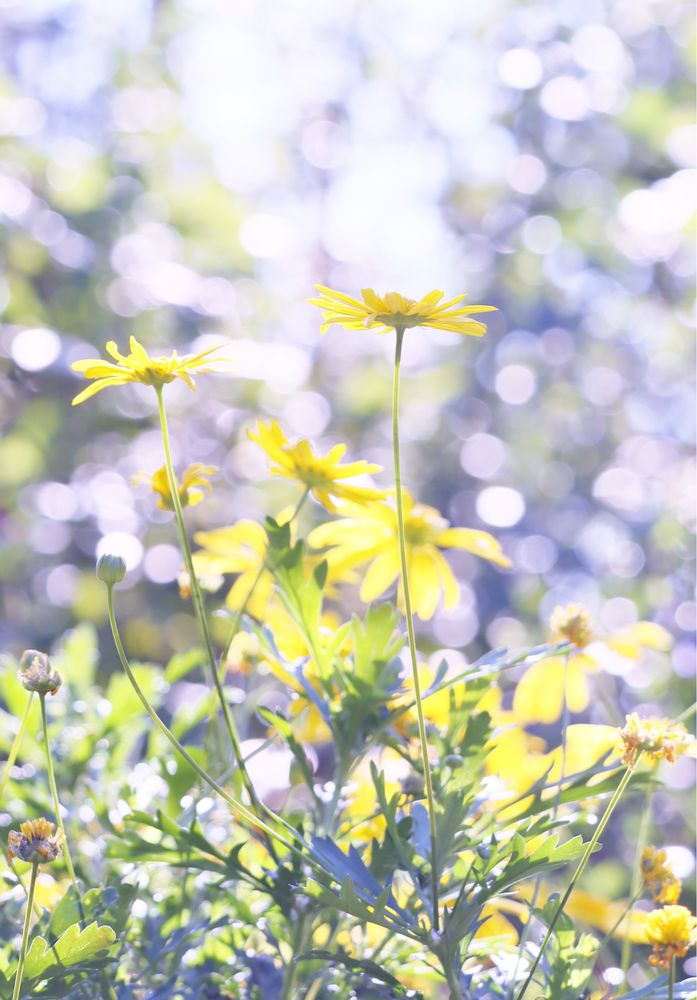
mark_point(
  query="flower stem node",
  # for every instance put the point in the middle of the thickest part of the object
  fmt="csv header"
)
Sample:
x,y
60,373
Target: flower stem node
x,y
37,842
36,673
111,569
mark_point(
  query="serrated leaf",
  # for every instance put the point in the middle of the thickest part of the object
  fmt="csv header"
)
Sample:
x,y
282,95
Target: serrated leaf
x,y
72,947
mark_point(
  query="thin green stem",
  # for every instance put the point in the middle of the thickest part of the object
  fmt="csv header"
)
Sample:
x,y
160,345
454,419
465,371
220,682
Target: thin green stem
x,y
555,809
671,980
428,782
197,599
54,796
25,933
14,749
590,847
642,840
238,807
453,983
622,917
687,713
298,946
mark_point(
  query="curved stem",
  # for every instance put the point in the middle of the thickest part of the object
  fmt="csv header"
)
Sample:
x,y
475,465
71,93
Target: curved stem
x,y
555,809
642,840
410,626
590,847
239,808
16,743
54,796
197,599
25,933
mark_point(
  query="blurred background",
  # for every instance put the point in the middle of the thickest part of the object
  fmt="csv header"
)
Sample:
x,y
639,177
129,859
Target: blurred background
x,y
184,171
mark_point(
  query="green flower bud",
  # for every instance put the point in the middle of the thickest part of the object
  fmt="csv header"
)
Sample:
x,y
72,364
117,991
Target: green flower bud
x,y
36,673
111,569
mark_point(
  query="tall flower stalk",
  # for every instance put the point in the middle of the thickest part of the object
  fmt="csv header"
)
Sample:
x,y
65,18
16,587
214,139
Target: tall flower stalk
x,y
383,313
54,796
555,812
25,933
197,599
423,740
240,810
590,847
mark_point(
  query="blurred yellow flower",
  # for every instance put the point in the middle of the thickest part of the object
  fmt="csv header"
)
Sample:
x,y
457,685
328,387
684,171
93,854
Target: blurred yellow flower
x,y
608,915
659,878
322,475
436,706
671,931
659,739
571,623
383,313
539,695
368,534
239,549
139,366
192,489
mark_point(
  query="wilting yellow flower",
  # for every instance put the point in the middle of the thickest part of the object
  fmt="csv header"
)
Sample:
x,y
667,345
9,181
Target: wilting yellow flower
x,y
322,475
659,878
139,366
37,841
657,738
368,534
539,695
391,311
192,489
671,930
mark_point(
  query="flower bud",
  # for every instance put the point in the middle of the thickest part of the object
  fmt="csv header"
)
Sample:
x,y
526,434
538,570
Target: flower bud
x,y
111,569
36,673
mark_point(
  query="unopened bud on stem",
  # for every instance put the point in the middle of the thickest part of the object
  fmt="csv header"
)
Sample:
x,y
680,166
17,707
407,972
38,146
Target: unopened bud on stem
x,y
111,569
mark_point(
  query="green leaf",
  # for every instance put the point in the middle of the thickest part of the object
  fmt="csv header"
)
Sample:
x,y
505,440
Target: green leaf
x,y
125,703
110,904
78,655
71,948
182,664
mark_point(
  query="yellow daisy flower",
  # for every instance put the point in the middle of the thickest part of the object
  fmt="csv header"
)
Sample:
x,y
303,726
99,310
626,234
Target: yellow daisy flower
x,y
322,475
368,534
671,931
659,879
139,366
539,695
659,739
393,311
